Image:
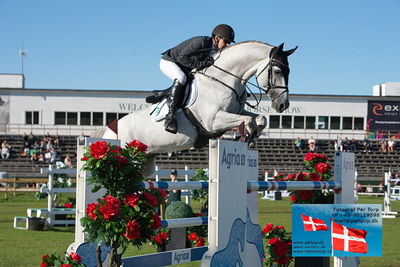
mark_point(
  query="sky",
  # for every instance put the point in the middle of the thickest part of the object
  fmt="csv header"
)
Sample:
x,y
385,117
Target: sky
x,y
345,46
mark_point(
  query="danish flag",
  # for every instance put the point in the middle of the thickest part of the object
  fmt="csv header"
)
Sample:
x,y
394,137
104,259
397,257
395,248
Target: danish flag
x,y
348,239
312,224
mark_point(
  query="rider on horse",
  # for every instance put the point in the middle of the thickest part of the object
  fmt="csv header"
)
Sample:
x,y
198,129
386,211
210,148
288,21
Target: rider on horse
x,y
194,53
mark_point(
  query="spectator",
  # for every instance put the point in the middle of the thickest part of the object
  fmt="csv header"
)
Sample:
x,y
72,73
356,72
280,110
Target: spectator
x,y
353,145
56,141
47,157
390,144
25,138
346,144
31,139
383,145
54,155
174,195
338,147
67,161
5,150
25,152
311,144
299,144
367,145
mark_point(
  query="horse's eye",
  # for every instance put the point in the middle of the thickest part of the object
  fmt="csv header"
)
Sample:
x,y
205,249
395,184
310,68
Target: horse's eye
x,y
277,71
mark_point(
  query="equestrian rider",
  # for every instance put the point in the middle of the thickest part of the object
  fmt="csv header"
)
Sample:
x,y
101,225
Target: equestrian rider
x,y
194,53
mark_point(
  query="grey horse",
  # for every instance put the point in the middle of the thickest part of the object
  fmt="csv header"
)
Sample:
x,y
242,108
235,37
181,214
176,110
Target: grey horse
x,y
220,102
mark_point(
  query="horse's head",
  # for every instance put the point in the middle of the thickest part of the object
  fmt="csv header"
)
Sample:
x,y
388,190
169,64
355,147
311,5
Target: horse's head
x,y
275,77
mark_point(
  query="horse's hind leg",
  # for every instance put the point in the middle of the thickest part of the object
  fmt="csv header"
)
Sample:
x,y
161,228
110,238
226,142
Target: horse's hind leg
x,y
150,165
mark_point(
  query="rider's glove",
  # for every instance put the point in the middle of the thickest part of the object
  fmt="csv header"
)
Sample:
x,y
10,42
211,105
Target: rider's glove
x,y
208,62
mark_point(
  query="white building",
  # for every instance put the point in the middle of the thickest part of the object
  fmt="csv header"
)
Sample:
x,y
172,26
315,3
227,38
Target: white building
x,y
72,112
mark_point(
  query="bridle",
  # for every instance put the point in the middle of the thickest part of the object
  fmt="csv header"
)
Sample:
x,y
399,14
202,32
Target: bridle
x,y
270,85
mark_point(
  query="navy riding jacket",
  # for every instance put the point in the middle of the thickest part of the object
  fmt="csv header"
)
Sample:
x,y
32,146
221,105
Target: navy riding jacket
x,y
190,54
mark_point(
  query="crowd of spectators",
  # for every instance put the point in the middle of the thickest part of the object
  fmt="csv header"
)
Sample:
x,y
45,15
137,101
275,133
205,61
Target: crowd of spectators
x,y
46,149
347,145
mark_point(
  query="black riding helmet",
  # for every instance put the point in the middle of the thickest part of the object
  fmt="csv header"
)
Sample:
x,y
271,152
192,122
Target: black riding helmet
x,y
225,31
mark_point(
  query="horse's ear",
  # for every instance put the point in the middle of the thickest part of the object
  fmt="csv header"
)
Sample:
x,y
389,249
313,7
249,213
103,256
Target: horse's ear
x,y
291,51
280,47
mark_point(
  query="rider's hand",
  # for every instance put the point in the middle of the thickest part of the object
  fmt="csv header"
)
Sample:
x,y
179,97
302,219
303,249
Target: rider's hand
x,y
208,62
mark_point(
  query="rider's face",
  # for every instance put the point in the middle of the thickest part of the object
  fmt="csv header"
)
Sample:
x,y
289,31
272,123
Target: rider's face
x,y
220,42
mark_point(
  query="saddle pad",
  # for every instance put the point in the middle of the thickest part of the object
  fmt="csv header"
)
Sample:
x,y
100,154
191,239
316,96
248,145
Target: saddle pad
x,y
160,110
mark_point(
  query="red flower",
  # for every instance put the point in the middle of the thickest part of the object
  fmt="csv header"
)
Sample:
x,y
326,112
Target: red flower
x,y
158,239
280,248
310,156
290,177
131,200
283,260
84,158
322,167
273,240
90,210
68,205
140,146
164,235
75,256
163,193
268,228
315,176
111,207
192,236
121,160
42,264
116,150
293,198
99,149
45,257
305,194
300,176
65,265
132,230
280,227
200,242
152,200
156,221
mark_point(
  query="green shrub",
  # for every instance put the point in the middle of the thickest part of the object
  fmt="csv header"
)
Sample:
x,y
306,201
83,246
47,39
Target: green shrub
x,y
178,209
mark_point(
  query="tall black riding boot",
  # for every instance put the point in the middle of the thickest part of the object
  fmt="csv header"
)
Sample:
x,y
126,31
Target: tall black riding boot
x,y
175,93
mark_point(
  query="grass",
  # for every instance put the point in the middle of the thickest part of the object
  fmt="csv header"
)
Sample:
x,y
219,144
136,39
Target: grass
x,y
25,248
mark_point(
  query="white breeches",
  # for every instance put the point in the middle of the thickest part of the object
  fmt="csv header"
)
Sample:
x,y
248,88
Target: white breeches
x,y
172,71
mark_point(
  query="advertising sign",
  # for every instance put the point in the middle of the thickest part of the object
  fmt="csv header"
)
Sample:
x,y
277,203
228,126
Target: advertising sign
x,y
383,115
340,230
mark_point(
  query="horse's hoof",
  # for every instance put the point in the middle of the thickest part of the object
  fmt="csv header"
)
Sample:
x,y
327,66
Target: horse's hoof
x,y
252,144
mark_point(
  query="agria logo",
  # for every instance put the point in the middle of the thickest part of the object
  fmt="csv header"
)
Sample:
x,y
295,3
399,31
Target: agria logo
x,y
379,110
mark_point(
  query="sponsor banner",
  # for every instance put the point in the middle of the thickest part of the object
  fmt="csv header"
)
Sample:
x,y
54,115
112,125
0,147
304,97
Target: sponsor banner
x,y
383,115
341,230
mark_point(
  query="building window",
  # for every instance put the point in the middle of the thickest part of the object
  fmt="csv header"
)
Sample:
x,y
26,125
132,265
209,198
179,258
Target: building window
x,y
97,118
310,122
358,123
121,115
274,122
31,117
287,122
298,122
322,122
335,123
59,118
347,123
72,118
110,117
86,118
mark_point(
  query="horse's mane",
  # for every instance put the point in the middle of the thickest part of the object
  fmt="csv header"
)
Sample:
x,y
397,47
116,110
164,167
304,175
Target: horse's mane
x,y
247,42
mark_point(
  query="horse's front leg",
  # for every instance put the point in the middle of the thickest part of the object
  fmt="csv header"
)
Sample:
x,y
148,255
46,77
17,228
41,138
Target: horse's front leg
x,y
225,121
261,123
